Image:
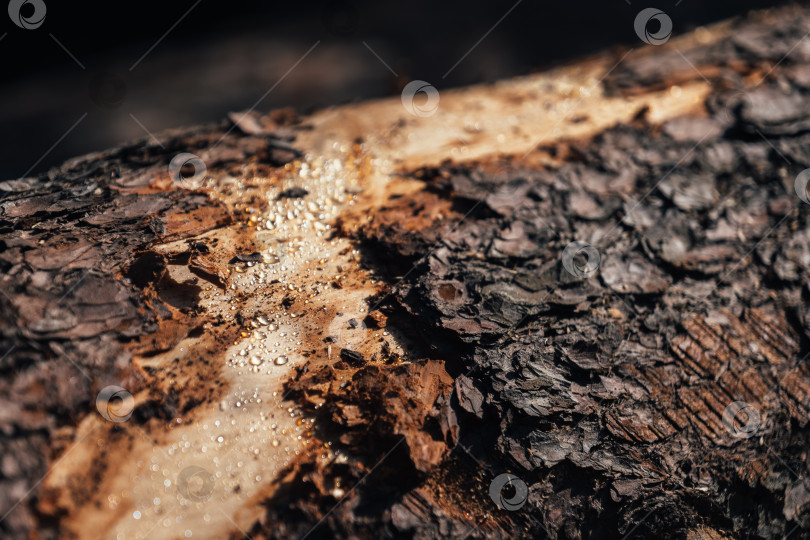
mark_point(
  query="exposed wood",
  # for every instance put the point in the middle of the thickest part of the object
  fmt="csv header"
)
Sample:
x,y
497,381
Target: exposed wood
x,y
355,332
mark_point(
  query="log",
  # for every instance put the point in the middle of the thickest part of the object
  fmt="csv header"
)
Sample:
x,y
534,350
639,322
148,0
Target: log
x,y
570,305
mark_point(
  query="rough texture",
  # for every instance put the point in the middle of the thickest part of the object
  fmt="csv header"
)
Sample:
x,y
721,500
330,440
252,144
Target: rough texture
x,y
610,396
81,291
666,394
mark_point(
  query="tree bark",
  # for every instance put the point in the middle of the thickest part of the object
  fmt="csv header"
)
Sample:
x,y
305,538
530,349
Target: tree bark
x,y
614,316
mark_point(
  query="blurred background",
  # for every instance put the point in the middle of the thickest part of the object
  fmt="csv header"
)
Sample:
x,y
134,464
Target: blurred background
x,y
94,75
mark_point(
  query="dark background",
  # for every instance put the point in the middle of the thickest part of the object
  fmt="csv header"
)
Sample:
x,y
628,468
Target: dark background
x,y
223,56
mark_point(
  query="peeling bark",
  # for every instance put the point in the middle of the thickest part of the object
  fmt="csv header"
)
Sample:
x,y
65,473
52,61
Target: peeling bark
x,y
83,293
663,392
612,397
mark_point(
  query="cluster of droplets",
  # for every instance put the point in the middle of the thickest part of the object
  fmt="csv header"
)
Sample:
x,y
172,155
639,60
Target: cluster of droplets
x,y
252,427
329,186
249,442
263,432
265,346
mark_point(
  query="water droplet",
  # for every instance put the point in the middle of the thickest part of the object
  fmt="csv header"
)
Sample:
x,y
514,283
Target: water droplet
x,y
281,360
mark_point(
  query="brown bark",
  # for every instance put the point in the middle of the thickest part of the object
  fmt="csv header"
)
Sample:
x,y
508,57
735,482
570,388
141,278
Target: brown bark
x,y
83,292
665,395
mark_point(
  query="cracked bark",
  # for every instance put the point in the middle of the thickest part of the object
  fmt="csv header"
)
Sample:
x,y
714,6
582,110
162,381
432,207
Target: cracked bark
x,y
83,293
607,396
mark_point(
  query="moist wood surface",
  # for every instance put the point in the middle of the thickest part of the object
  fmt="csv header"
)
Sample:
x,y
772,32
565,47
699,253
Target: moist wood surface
x,y
611,397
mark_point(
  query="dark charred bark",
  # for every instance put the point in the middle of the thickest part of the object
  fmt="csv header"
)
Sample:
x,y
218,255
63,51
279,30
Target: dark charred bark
x,y
665,394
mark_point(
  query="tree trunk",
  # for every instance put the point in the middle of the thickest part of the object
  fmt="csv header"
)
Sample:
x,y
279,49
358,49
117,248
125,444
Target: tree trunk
x,y
566,306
